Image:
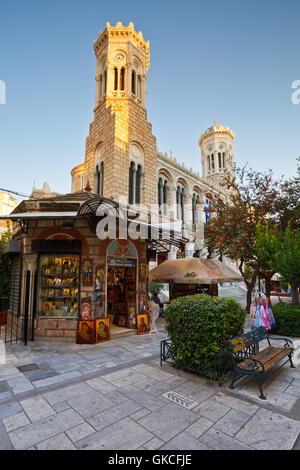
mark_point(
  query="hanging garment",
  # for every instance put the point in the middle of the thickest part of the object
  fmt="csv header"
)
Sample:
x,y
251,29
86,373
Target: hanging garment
x,y
264,313
271,316
257,321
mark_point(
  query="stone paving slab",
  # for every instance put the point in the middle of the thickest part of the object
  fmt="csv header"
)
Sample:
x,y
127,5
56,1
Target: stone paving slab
x,y
232,422
80,432
35,433
168,421
185,441
123,435
101,420
37,408
218,440
5,442
9,409
211,409
15,421
199,427
92,403
283,402
59,442
67,393
269,431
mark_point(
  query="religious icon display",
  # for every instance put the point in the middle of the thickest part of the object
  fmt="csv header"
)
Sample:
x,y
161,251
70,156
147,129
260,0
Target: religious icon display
x,y
143,300
85,332
59,286
131,322
87,273
100,305
143,269
86,309
100,278
102,330
142,321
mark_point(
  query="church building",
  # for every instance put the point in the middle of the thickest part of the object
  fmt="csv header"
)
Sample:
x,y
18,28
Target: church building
x,y
72,271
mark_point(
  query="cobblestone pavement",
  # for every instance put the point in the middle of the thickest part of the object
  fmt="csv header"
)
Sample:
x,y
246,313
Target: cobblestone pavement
x,y
115,396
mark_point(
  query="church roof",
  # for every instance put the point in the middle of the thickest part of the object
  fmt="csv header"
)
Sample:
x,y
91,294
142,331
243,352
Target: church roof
x,y
216,129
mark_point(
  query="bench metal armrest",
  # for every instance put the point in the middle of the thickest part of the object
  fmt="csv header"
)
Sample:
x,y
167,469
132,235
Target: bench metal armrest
x,y
287,340
256,366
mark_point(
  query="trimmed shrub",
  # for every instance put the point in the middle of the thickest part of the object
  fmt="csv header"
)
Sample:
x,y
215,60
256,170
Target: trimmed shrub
x,y
198,326
287,318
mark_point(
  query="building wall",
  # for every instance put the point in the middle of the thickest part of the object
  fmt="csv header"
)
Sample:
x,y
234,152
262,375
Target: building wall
x,y
7,205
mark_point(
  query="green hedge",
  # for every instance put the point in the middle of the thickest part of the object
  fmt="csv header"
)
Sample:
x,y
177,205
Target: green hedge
x,y
287,318
198,327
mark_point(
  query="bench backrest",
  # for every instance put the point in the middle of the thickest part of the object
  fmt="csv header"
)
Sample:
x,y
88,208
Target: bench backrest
x,y
245,345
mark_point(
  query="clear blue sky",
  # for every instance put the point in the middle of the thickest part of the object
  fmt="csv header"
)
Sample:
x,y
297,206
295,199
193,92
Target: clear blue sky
x,y
233,61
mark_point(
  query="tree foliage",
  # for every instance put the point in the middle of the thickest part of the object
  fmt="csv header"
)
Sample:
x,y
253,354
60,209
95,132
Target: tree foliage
x,y
4,264
252,200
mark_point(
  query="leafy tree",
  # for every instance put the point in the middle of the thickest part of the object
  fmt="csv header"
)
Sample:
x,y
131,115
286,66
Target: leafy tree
x,y
252,199
280,249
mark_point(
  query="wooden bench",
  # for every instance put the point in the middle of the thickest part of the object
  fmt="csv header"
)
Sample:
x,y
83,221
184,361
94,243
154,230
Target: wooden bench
x,y
247,360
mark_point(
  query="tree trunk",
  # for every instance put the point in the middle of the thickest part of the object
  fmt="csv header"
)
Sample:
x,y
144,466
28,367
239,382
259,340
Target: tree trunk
x,y
295,295
250,284
249,295
268,278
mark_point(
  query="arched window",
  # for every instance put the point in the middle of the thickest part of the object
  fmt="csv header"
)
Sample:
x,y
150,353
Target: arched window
x,y
195,202
180,199
139,87
99,179
208,162
133,84
166,197
122,79
138,185
160,194
212,162
224,160
105,81
116,79
101,86
131,183
219,161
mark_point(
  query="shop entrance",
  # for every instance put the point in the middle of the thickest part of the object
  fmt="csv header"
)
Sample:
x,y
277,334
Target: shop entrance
x,y
121,291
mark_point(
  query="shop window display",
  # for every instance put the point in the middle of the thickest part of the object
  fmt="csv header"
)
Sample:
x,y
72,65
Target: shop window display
x,y
121,291
59,286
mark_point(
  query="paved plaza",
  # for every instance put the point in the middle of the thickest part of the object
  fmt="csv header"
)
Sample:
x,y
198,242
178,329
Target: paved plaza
x,y
114,395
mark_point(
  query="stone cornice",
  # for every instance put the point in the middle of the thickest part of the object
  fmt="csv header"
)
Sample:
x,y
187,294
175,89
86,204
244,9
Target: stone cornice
x,y
120,32
216,130
173,163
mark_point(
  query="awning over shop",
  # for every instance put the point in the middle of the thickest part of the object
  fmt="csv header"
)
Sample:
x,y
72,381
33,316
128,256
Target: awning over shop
x,y
194,271
40,215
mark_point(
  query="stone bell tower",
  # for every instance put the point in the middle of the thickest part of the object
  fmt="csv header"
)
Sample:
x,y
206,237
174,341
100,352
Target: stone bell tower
x,y
121,152
217,156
